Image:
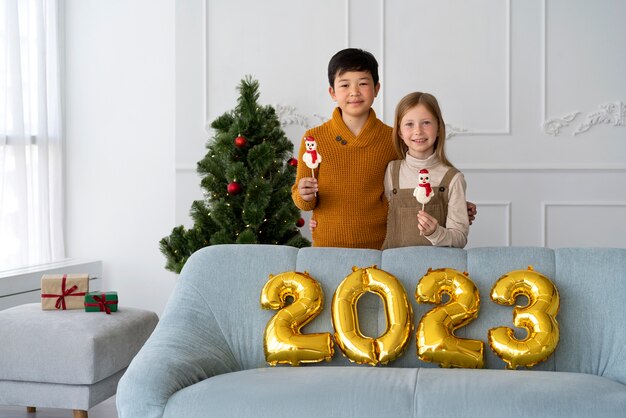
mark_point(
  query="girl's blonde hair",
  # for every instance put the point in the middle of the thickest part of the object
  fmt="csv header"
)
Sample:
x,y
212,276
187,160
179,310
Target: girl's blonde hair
x,y
430,103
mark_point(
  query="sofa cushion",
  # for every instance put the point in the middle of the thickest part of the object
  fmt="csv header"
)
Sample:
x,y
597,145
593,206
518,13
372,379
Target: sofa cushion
x,y
71,346
592,284
311,392
303,392
517,393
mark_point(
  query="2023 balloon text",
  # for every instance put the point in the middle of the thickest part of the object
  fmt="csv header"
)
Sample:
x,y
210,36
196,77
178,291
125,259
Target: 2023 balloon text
x,y
299,298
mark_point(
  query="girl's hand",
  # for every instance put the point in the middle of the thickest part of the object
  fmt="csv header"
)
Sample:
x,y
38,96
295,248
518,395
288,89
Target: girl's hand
x,y
427,224
312,225
471,212
307,187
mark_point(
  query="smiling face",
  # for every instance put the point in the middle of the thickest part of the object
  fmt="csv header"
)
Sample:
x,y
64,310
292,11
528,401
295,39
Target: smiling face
x,y
418,130
354,92
424,178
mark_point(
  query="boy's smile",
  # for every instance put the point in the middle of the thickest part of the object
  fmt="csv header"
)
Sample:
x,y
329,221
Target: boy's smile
x,y
354,92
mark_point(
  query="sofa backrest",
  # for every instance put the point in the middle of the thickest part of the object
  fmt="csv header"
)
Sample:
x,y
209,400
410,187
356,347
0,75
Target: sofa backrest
x,y
223,284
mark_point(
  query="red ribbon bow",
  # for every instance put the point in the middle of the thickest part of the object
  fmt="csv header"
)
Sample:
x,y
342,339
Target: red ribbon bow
x,y
102,303
60,303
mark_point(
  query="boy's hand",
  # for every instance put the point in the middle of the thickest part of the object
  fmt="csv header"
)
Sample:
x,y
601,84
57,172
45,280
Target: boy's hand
x,y
312,225
427,224
471,212
307,187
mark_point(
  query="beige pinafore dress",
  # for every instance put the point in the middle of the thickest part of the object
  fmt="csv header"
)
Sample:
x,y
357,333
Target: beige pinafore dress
x,y
402,225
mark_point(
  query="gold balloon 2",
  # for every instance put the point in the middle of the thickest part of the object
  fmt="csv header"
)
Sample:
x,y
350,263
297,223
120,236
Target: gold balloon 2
x,y
354,345
436,341
283,342
538,317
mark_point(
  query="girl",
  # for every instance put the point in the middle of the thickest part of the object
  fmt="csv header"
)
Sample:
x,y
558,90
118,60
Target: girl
x,y
419,135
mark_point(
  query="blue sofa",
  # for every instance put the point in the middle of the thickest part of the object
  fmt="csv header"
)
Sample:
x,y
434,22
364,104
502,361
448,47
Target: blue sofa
x,y
206,356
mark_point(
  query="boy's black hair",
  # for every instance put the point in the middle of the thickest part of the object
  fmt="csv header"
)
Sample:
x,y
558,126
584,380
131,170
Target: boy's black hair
x,y
352,59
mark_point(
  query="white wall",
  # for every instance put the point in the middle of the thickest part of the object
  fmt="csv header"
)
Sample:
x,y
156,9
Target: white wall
x,y
506,73
120,121
144,78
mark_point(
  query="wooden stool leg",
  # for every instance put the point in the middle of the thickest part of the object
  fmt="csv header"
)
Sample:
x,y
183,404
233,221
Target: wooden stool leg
x,y
79,413
30,409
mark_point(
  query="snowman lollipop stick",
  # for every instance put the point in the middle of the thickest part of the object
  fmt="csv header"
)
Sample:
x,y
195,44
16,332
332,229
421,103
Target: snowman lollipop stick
x,y
311,157
423,192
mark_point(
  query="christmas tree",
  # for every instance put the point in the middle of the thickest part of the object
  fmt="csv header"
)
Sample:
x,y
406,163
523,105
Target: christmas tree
x,y
247,175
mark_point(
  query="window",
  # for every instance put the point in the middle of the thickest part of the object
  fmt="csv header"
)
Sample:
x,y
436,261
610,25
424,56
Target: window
x,y
31,147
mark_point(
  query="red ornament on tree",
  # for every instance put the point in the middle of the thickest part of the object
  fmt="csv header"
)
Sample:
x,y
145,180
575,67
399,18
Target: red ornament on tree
x,y
300,223
233,188
240,141
292,162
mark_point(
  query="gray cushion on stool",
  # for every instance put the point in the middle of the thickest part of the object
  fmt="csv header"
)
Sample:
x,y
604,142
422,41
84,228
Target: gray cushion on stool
x,y
72,346
56,395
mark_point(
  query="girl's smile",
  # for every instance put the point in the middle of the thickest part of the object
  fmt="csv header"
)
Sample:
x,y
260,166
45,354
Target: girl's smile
x,y
418,130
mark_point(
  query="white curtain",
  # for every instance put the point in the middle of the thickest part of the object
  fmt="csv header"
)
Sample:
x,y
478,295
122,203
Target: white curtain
x,y
31,147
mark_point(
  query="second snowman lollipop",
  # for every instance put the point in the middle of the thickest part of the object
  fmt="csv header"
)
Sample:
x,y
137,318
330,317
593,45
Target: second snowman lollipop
x,y
423,192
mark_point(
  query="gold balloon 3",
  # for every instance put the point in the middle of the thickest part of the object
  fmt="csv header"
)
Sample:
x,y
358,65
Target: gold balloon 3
x,y
436,341
538,317
283,342
399,314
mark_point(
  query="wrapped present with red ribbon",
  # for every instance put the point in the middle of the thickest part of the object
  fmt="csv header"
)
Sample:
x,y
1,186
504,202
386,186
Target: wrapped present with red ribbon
x,y
101,302
63,291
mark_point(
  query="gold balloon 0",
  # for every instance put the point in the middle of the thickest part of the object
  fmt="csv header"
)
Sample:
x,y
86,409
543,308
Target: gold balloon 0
x,y
538,317
283,342
436,341
399,315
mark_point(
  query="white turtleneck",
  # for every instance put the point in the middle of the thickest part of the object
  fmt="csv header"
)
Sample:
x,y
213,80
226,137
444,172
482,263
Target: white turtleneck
x,y
454,234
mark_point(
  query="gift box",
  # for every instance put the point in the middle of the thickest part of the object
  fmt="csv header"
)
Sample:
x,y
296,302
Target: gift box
x,y
63,291
101,302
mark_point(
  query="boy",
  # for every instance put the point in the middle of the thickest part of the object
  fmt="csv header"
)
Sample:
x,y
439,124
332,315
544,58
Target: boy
x,y
347,191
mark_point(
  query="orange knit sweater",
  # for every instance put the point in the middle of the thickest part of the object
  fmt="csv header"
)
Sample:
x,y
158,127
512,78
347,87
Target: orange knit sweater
x,y
350,207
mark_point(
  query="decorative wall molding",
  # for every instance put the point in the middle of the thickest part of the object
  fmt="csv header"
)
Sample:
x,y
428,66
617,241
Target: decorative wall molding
x,y
545,206
613,113
452,130
553,126
548,169
505,207
609,113
288,115
507,100
205,63
382,64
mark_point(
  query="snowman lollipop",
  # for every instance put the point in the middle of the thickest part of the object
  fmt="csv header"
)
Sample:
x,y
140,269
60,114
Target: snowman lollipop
x,y
311,157
423,192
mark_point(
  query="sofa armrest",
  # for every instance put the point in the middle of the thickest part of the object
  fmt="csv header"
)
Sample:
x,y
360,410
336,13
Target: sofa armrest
x,y
186,347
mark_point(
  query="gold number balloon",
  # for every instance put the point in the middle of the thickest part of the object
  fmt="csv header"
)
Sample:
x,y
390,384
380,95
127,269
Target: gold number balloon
x,y
436,341
283,341
538,318
399,314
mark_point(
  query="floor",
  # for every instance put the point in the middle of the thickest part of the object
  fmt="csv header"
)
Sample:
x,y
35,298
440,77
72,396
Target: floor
x,y
104,409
